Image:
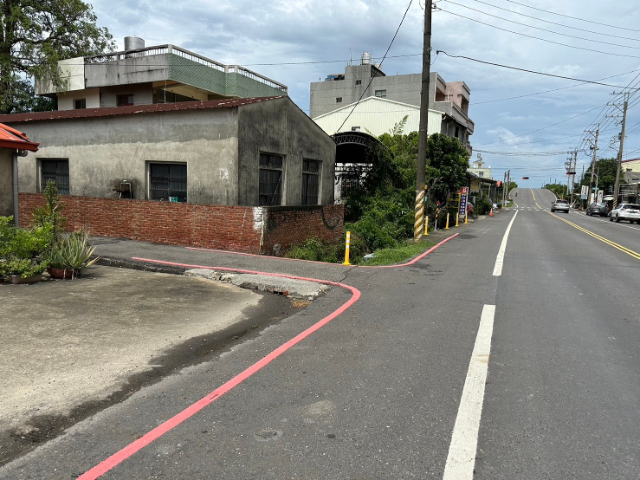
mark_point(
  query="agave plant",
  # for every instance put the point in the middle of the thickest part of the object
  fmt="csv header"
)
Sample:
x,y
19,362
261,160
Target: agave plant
x,y
73,252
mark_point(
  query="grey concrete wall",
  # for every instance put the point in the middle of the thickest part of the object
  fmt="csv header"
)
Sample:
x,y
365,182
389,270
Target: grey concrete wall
x,y
103,151
153,68
6,182
401,88
280,127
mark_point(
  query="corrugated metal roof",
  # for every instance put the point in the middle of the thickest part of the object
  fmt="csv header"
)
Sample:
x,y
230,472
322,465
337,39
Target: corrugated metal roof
x,y
131,110
12,138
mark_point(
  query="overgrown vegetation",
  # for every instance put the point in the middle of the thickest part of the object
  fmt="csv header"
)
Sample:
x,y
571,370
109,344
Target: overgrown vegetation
x,y
379,208
28,252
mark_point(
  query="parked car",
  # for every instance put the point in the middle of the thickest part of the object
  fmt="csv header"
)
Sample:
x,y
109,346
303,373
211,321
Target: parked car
x,y
626,211
596,208
560,205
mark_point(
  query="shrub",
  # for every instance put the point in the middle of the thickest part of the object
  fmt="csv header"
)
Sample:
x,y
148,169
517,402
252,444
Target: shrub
x,y
482,206
319,251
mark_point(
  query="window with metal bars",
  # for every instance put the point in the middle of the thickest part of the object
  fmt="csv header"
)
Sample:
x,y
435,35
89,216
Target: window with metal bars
x,y
168,182
310,182
271,179
56,170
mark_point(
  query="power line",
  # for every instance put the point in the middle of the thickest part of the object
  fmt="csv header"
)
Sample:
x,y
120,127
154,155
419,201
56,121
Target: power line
x,y
556,23
529,71
541,128
538,38
381,62
574,18
540,28
547,91
524,154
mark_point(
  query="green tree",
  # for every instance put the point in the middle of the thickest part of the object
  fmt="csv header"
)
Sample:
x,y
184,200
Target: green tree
x,y
447,164
35,35
606,171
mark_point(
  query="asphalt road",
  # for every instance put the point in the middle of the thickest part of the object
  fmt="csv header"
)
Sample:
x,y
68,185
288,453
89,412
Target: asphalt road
x,y
384,389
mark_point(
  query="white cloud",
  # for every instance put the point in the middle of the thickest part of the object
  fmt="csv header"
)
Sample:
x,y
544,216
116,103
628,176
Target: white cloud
x,y
250,32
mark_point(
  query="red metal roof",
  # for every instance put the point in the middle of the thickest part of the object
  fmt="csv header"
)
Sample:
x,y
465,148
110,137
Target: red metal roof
x,y
130,110
12,138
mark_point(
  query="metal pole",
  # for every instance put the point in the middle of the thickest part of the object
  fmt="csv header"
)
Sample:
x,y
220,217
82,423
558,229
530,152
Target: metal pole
x,y
418,225
616,191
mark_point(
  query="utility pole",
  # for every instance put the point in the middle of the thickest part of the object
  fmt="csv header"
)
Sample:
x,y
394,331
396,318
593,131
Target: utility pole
x,y
593,165
616,190
418,224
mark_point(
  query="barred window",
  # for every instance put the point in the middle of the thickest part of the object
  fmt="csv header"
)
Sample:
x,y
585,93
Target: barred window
x,y
271,179
168,182
56,170
310,182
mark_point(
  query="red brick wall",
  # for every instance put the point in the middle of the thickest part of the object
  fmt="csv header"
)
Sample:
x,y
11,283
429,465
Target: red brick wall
x,y
210,226
286,226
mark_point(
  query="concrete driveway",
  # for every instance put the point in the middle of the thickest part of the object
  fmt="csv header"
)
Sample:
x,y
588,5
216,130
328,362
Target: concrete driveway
x,y
70,348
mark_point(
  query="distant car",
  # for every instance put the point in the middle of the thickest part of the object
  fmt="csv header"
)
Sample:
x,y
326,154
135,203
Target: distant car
x,y
596,208
560,205
626,211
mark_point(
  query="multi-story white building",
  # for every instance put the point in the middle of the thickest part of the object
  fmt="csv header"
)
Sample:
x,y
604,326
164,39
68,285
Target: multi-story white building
x,y
149,75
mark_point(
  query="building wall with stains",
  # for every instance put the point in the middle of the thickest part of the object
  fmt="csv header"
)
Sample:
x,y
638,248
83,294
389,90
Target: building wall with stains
x,y
102,152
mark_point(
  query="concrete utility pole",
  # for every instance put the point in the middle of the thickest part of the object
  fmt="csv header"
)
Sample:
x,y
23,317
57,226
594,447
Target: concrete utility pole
x,y
616,190
505,187
418,224
593,166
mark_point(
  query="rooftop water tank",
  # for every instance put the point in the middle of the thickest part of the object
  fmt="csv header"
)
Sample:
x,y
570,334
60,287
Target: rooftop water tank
x,y
133,43
366,58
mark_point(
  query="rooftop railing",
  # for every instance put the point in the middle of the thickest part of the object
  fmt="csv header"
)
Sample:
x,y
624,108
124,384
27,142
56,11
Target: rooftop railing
x,y
194,57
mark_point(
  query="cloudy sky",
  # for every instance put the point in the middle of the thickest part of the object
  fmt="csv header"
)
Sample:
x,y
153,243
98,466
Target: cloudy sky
x,y
528,116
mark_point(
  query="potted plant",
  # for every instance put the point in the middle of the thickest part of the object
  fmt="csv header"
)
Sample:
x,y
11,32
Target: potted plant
x,y
68,257
24,270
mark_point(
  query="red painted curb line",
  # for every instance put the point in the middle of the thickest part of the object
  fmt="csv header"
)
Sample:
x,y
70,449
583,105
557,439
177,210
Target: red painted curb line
x,y
134,447
118,457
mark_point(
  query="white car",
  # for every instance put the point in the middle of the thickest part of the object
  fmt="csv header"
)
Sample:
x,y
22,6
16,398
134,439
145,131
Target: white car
x,y
560,205
626,211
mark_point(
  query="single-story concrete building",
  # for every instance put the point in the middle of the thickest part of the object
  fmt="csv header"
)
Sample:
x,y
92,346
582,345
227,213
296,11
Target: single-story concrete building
x,y
259,153
13,144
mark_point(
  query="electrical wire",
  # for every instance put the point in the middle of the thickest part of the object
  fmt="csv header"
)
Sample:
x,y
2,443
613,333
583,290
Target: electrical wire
x,y
556,23
593,82
538,38
541,128
540,28
574,18
382,61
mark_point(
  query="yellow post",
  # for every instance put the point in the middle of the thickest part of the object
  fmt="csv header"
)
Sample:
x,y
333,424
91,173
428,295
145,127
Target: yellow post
x,y
426,226
447,227
346,250
465,218
457,218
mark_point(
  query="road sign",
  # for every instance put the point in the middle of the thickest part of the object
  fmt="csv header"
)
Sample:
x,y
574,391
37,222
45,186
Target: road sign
x,y
584,192
463,204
